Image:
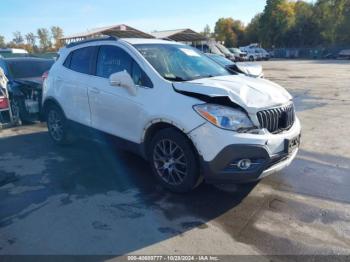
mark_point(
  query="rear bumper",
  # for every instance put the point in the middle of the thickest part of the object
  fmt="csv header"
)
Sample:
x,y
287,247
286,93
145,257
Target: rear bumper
x,y
224,169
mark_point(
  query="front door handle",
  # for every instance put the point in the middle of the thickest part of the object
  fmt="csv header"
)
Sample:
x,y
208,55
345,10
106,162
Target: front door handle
x,y
95,91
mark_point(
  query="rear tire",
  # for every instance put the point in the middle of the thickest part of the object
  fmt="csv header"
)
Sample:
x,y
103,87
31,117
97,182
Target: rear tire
x,y
174,161
16,108
58,127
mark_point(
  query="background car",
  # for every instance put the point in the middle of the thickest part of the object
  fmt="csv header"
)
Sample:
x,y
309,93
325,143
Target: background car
x,y
255,53
344,54
252,55
25,85
264,54
12,51
239,55
226,52
209,47
251,70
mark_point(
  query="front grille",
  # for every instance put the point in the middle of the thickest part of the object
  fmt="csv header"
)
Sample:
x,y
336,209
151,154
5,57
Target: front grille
x,y
278,119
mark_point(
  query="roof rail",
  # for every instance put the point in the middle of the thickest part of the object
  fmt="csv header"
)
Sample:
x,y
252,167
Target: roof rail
x,y
109,38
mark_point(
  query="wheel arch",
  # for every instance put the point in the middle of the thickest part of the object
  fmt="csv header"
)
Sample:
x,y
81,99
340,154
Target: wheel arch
x,y
155,126
49,102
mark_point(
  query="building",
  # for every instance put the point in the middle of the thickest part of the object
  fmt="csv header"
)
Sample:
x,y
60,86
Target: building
x,y
187,36
121,31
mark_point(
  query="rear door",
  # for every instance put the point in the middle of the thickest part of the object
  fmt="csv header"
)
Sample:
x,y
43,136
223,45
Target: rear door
x,y
73,83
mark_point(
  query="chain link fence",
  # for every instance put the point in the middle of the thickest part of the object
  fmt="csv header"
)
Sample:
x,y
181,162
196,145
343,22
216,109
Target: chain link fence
x,y
308,53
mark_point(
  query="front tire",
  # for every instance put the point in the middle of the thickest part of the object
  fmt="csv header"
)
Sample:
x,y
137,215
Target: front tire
x,y
174,161
57,125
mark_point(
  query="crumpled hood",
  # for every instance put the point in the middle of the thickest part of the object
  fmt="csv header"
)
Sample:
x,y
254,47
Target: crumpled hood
x,y
253,70
250,93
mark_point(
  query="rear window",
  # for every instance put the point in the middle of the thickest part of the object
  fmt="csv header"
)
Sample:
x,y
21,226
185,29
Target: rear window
x,y
80,60
30,68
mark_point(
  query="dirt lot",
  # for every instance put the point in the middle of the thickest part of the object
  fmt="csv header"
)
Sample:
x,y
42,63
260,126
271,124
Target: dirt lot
x,y
94,199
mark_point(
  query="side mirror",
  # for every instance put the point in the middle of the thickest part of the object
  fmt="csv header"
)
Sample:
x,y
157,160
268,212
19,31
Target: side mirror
x,y
123,79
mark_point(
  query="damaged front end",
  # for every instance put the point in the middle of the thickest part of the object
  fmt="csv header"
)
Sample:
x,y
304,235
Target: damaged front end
x,y
26,96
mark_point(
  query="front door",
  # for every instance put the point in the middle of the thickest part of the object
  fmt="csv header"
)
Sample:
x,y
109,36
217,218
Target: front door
x,y
115,110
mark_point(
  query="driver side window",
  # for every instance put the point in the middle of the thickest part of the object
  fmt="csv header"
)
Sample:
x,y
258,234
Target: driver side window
x,y
112,59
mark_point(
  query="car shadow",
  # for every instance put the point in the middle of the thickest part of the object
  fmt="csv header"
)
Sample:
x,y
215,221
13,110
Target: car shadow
x,y
115,185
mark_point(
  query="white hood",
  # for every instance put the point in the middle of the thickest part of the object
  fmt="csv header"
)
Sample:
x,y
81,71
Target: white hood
x,y
250,93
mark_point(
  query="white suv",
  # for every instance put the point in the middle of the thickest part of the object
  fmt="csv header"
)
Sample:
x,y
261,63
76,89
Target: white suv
x,y
187,115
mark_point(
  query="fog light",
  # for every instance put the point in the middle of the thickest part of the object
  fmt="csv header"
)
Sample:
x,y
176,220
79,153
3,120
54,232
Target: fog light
x,y
244,164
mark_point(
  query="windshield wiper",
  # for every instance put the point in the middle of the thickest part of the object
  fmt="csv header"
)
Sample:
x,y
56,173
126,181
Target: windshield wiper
x,y
201,77
175,78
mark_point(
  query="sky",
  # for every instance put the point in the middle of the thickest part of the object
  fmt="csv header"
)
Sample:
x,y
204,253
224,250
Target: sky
x,y
75,16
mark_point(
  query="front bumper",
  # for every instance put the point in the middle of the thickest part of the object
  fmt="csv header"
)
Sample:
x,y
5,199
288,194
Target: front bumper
x,y
221,150
224,169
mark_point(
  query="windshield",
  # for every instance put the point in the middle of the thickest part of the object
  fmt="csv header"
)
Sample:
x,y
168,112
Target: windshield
x,y
221,60
30,68
223,49
179,62
235,50
214,49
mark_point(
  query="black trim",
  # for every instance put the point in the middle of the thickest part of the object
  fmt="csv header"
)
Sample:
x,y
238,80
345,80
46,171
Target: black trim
x,y
110,38
219,170
90,133
68,60
93,65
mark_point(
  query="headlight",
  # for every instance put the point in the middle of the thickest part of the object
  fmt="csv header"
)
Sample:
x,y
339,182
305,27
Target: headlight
x,y
225,117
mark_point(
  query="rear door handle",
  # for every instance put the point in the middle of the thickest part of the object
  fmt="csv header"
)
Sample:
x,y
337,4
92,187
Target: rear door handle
x,y
95,91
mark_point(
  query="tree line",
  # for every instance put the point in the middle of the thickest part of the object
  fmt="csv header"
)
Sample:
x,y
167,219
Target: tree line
x,y
43,40
283,23
287,23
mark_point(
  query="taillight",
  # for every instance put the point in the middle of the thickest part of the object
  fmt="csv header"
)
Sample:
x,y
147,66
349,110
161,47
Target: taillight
x,y
45,76
4,103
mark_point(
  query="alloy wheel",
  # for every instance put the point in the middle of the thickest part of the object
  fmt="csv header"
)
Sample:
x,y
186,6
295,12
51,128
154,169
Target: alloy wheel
x,y
55,125
170,162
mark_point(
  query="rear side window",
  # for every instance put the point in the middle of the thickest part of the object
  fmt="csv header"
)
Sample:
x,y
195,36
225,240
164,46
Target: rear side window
x,y
80,60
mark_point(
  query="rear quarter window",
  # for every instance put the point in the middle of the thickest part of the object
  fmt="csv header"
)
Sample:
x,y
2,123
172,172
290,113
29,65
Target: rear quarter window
x,y
80,60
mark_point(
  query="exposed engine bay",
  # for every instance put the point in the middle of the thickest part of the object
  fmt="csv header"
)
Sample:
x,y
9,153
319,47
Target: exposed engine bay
x,y
27,93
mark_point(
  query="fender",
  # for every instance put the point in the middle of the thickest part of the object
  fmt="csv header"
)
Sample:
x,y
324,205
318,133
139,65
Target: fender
x,y
160,120
171,123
